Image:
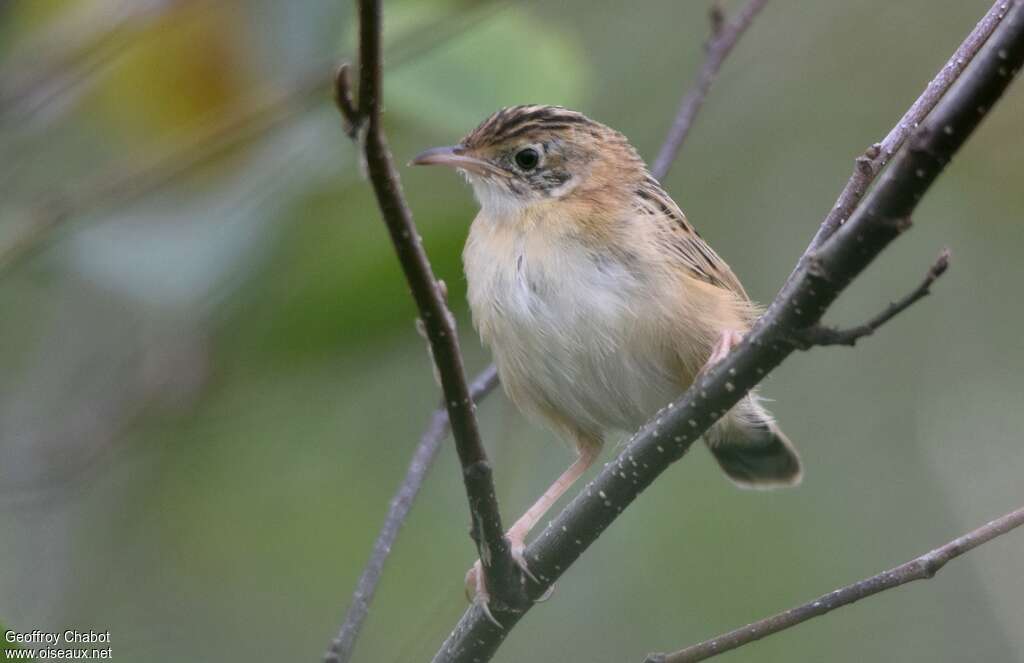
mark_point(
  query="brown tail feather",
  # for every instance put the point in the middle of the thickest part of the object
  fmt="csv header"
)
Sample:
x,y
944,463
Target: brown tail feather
x,y
752,450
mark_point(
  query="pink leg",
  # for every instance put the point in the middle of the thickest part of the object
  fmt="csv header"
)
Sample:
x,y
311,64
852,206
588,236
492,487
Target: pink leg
x,y
518,532
729,339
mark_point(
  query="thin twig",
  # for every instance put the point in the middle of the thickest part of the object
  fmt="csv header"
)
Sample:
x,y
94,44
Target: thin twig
x,y
868,165
139,175
503,577
830,269
343,100
344,643
724,36
821,335
920,568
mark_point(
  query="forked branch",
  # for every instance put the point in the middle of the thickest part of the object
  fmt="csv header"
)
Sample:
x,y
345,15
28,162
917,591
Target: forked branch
x,y
868,165
822,335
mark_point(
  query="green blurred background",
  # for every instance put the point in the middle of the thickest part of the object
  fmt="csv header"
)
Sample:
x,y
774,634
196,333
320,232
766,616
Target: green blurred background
x,y
210,383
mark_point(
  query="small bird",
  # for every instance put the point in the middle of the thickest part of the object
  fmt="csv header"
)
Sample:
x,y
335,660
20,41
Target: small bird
x,y
597,297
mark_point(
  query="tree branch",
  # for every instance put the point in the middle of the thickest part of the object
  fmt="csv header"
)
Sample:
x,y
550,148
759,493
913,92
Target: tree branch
x,y
724,36
503,576
822,335
801,303
920,568
344,643
868,165
139,175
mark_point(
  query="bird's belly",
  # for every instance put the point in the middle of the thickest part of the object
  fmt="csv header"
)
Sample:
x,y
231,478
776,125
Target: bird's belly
x,y
580,349
596,388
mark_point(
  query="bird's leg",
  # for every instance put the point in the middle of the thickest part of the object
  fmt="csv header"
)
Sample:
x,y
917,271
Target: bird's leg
x,y
518,532
475,585
729,339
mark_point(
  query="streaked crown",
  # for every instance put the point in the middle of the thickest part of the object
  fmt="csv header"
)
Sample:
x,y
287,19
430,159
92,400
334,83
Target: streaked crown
x,y
516,122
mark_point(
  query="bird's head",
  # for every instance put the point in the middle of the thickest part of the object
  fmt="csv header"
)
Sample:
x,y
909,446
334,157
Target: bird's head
x,y
523,156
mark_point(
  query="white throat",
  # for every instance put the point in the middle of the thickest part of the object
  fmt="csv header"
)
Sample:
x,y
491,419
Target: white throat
x,y
495,200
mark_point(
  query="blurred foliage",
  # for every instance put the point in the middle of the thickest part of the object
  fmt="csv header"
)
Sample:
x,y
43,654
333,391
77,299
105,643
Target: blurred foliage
x,y
508,60
209,394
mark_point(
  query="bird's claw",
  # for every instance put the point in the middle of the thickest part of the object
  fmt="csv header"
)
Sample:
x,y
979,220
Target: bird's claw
x,y
729,339
476,592
476,585
519,557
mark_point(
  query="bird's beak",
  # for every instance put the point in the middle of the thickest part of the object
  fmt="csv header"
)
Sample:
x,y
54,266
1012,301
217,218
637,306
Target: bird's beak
x,y
456,157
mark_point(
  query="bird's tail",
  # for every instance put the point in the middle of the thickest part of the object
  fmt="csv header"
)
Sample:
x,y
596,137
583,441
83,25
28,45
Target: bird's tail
x,y
751,449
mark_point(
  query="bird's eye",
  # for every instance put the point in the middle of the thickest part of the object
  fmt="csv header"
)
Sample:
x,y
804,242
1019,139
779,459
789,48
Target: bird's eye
x,y
527,158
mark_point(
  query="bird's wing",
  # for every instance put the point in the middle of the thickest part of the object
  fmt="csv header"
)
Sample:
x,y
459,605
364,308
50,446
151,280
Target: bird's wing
x,y
698,258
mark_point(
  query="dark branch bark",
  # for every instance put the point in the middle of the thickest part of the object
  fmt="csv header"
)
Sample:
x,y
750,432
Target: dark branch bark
x,y
504,579
802,302
140,175
343,100
724,36
868,165
344,643
920,568
823,335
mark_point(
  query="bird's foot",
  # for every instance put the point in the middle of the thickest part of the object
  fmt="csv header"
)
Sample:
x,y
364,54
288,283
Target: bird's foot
x,y
476,584
729,339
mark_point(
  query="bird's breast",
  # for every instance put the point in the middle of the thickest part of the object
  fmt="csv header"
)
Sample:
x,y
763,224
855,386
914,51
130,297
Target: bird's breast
x,y
574,331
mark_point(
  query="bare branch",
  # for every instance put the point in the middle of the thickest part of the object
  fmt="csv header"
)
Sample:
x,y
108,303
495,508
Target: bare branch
x,y
822,335
503,576
920,568
724,36
343,100
139,175
801,303
344,643
868,165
